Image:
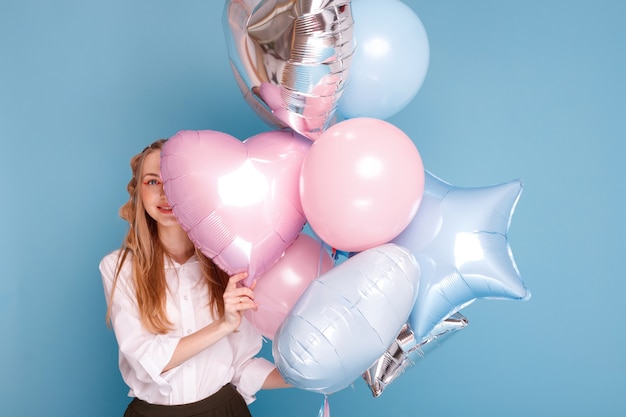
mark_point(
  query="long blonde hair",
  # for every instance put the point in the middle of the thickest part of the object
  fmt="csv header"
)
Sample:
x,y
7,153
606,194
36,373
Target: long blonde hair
x,y
144,250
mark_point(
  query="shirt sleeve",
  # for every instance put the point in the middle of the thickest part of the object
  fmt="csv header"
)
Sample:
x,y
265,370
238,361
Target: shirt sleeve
x,y
250,371
143,355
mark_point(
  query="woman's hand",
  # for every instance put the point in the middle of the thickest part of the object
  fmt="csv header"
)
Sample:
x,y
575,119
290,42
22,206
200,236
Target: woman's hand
x,y
237,300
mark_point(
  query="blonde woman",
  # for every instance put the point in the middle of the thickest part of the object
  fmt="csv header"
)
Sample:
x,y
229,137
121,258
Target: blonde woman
x,y
185,348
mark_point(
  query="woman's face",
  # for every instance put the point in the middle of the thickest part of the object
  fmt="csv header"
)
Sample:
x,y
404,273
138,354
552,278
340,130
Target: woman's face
x,y
152,194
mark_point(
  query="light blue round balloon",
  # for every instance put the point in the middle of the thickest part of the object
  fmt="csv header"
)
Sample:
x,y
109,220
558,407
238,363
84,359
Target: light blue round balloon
x,y
390,62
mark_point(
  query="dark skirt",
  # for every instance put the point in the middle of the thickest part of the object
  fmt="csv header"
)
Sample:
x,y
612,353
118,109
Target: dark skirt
x,y
226,402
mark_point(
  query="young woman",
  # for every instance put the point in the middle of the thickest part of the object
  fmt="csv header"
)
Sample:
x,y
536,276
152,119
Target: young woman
x,y
185,348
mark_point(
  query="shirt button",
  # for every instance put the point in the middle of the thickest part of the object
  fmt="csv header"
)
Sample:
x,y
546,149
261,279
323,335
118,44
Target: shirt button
x,y
186,298
188,331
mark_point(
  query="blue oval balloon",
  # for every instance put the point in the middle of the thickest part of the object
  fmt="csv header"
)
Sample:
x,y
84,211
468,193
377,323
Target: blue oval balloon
x,y
346,319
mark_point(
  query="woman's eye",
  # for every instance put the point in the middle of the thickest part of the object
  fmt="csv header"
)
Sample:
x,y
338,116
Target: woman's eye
x,y
152,182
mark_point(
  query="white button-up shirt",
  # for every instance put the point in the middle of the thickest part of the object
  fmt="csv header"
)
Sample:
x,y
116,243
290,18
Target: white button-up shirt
x,y
143,355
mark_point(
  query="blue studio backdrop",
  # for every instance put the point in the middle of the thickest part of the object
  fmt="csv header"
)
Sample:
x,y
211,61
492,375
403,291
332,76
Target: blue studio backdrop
x,y
531,90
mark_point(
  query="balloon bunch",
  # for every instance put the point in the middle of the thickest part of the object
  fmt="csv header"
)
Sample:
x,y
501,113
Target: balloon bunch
x,y
417,250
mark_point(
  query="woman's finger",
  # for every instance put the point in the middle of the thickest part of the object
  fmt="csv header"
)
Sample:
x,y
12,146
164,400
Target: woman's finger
x,y
234,279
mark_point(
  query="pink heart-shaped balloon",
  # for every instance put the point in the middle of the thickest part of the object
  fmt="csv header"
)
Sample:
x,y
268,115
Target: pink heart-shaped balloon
x,y
238,201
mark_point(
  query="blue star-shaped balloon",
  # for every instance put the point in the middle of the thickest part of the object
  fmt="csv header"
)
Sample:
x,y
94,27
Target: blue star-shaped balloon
x,y
459,238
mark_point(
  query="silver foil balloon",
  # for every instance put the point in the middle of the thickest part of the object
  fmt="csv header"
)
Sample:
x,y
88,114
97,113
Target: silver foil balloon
x,y
406,350
346,319
291,58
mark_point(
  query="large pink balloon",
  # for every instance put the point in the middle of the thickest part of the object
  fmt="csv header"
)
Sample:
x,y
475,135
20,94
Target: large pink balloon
x,y
361,184
283,284
238,201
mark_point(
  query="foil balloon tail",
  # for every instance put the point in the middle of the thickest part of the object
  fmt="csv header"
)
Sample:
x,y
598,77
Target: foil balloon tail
x,y
325,408
405,351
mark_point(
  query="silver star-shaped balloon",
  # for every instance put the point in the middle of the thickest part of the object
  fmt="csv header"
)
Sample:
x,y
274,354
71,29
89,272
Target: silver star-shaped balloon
x,y
405,352
459,237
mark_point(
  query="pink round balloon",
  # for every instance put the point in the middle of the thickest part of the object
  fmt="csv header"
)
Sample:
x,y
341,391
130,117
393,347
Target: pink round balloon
x,y
238,201
283,284
361,184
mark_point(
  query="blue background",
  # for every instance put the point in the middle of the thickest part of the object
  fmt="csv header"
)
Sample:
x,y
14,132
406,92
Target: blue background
x,y
532,90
